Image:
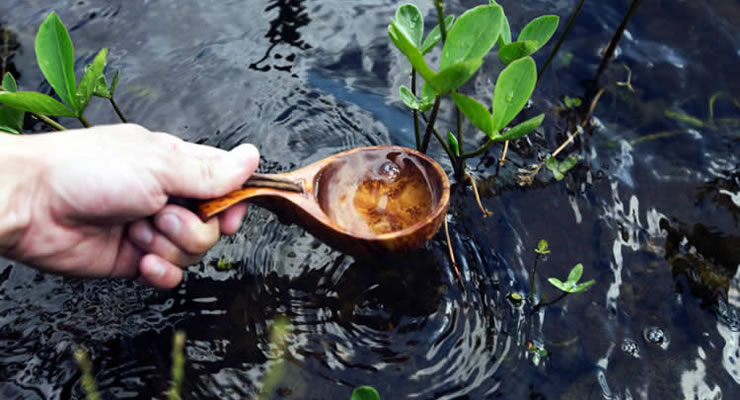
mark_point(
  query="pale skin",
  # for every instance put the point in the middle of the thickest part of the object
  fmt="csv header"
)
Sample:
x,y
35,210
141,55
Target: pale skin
x,y
94,202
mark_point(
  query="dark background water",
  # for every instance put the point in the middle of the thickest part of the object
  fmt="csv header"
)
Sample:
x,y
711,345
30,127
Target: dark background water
x,y
655,221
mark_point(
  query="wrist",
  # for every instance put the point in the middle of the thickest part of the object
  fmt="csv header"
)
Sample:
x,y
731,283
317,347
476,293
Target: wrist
x,y
19,169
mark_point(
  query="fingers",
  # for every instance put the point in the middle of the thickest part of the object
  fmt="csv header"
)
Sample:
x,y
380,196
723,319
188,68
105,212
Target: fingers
x,y
158,272
231,219
209,175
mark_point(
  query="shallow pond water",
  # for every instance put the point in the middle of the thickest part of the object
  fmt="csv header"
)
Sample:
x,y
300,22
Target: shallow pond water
x,y
652,212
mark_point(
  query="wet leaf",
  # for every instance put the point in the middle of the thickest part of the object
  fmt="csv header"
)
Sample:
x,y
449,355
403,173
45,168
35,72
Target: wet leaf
x,y
582,287
572,102
55,56
476,112
11,119
516,50
552,164
513,88
91,78
435,35
410,20
505,37
540,30
452,141
560,284
365,393
523,129
473,35
427,97
454,76
568,163
114,84
575,274
405,44
36,102
408,98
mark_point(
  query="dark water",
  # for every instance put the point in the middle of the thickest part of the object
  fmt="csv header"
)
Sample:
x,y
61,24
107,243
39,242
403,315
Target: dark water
x,y
654,221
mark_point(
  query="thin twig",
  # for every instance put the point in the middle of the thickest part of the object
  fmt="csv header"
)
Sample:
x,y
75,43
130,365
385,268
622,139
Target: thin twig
x,y
439,4
84,121
583,123
561,40
430,124
485,212
452,253
117,110
49,122
502,159
479,150
417,132
609,53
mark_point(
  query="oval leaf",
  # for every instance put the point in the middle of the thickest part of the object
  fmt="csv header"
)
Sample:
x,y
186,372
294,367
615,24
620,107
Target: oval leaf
x,y
452,141
9,84
523,129
11,120
540,30
476,112
365,393
55,56
436,35
408,98
410,20
568,163
36,102
582,287
406,46
513,87
454,76
514,51
473,35
93,74
552,164
559,284
575,273
427,97
505,37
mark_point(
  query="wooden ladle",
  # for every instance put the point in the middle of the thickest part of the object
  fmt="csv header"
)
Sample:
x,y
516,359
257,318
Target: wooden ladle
x,y
367,200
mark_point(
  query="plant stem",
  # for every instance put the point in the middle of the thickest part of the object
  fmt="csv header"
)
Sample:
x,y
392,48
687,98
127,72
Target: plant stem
x,y
49,122
460,161
417,132
178,365
561,40
479,150
615,40
440,6
120,114
531,279
485,212
444,145
549,303
84,121
430,124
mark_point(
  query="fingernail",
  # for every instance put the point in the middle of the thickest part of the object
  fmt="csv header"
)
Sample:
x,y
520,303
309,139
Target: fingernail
x,y
244,156
158,269
169,224
142,234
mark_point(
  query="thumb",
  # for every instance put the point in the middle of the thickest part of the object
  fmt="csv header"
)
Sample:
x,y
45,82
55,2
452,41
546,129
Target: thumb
x,y
210,176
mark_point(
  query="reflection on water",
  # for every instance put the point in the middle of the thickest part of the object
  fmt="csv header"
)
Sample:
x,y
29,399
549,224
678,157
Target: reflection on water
x,y
651,211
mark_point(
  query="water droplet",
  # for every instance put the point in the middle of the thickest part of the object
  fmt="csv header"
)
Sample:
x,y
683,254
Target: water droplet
x,y
630,347
510,96
656,336
389,171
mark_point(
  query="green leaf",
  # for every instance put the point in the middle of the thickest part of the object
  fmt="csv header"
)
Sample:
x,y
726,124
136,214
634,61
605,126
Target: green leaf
x,y
572,102
543,247
452,141
683,117
552,164
476,112
11,120
36,102
575,273
454,76
55,56
516,50
559,284
9,83
523,129
114,84
435,35
505,37
582,287
404,43
540,30
91,78
473,35
408,98
365,393
568,163
411,22
513,88
427,97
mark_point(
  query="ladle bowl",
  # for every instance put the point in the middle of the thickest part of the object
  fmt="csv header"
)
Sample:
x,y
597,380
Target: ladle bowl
x,y
363,201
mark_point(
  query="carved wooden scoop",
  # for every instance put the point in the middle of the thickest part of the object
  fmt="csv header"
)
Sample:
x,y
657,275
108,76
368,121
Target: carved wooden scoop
x,y
367,200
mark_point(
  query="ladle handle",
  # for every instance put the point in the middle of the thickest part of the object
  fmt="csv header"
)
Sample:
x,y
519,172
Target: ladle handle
x,y
208,208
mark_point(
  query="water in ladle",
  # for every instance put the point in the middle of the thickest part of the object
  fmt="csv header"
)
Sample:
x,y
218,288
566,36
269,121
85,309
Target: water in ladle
x,y
379,192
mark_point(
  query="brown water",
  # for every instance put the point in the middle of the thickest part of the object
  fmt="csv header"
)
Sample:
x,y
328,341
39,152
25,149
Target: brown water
x,y
375,192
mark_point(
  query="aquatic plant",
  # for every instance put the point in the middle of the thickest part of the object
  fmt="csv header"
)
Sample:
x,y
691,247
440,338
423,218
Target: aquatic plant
x,y
55,57
466,41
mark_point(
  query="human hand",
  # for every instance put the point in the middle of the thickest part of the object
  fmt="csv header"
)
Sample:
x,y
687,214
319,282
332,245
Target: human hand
x,y
93,202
